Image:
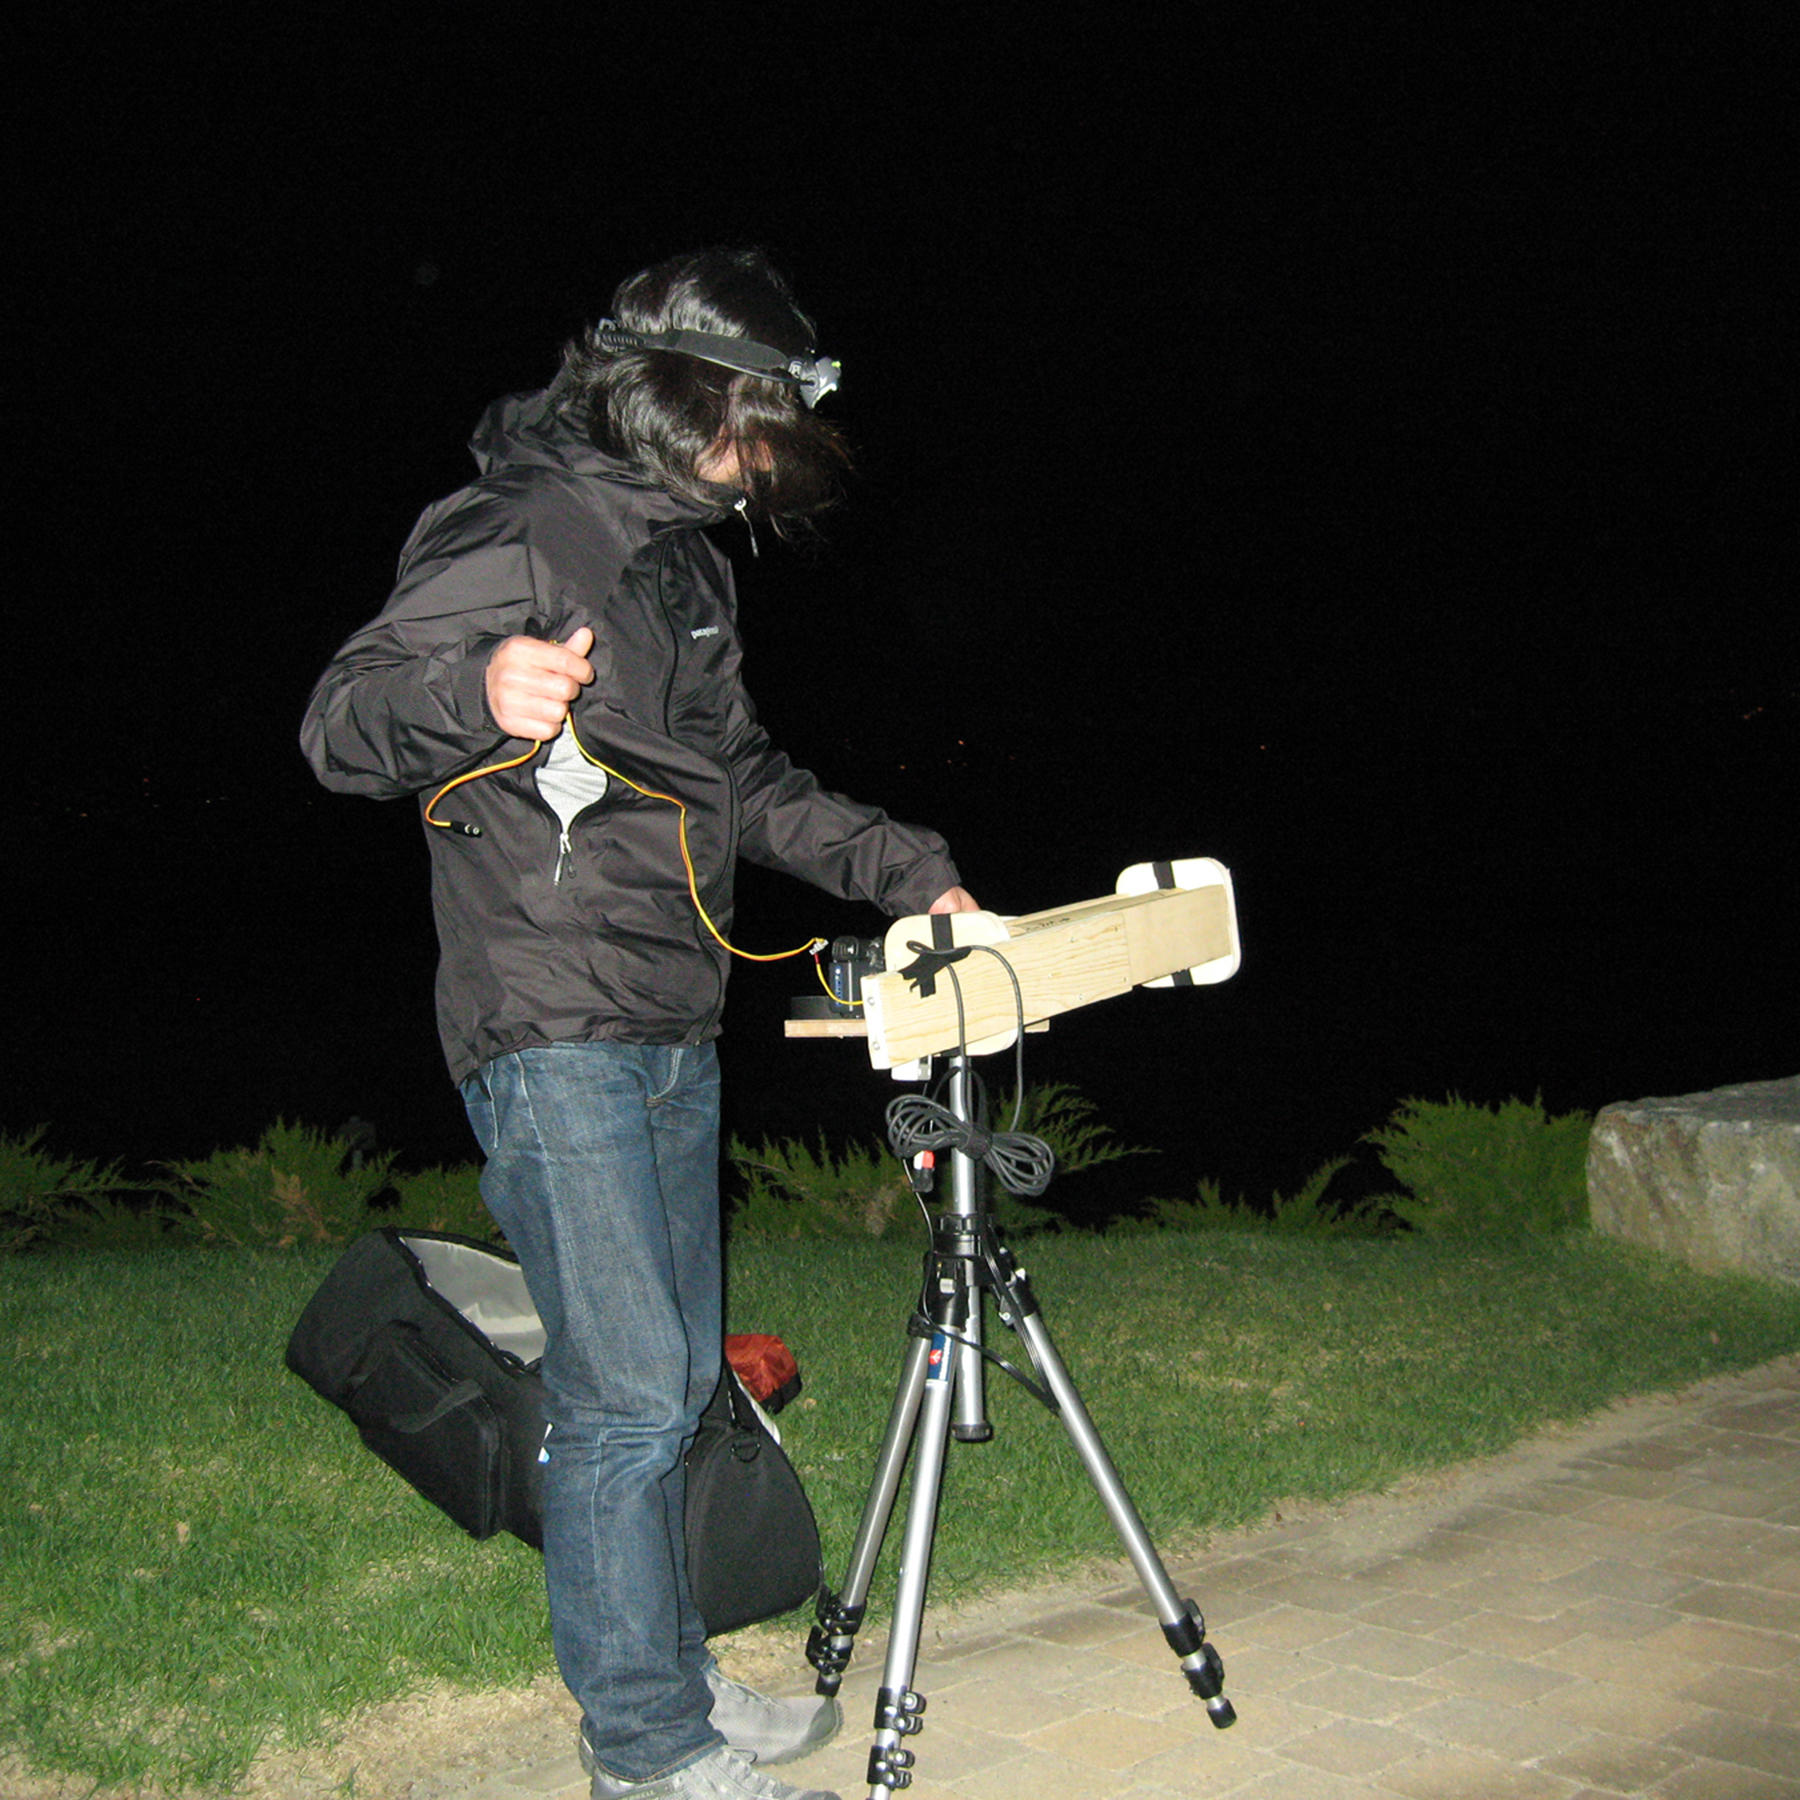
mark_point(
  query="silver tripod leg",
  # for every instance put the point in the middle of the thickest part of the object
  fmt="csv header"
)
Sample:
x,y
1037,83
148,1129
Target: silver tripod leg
x,y
840,1613
1183,1627
942,1393
919,1424
898,1707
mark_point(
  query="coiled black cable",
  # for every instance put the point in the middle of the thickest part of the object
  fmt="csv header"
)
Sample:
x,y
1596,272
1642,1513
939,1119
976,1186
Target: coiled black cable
x,y
1021,1163
918,1124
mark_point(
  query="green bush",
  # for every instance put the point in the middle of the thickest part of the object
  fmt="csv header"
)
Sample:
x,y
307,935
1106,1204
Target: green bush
x,y
792,1190
292,1189
1475,1170
1304,1213
39,1191
1064,1118
444,1200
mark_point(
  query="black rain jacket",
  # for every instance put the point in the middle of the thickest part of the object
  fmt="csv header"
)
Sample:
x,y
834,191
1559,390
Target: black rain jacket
x,y
569,918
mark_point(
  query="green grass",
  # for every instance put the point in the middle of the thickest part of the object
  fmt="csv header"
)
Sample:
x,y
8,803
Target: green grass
x,y
197,1558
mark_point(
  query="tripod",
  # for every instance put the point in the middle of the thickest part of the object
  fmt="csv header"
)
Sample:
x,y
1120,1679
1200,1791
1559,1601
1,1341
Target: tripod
x,y
941,1396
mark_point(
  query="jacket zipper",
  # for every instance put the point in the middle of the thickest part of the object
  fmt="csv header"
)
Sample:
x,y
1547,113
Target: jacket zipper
x,y
702,937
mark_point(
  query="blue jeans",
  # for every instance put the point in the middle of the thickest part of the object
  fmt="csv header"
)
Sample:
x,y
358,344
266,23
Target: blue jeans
x,y
603,1171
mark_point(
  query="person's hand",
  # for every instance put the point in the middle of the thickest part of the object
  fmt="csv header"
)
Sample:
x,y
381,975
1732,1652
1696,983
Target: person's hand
x,y
954,900
531,681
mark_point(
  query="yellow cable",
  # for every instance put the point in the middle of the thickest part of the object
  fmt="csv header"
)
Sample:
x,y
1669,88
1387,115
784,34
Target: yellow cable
x,y
810,947
826,985
473,775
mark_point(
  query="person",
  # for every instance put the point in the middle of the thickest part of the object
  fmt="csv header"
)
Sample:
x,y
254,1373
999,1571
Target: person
x,y
557,679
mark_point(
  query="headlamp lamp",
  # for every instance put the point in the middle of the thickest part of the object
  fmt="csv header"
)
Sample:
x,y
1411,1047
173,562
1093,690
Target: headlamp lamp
x,y
814,375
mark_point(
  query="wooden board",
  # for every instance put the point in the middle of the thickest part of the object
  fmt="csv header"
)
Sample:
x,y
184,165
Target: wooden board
x,y
1067,957
824,1028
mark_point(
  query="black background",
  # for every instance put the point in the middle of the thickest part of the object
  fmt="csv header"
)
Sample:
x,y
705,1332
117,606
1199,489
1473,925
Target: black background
x,y
1355,445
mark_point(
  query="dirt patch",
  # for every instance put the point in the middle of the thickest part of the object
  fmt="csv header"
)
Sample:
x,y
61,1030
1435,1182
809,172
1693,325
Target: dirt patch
x,y
432,1745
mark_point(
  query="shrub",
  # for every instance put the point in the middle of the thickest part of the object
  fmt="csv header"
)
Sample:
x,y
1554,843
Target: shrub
x,y
1304,1213
1064,1118
792,1190
108,1222
444,1200
37,1190
1472,1169
293,1188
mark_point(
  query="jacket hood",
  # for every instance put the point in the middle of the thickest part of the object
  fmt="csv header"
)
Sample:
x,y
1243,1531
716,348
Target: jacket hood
x,y
532,430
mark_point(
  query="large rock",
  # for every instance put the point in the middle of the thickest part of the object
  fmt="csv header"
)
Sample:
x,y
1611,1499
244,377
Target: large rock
x,y
1711,1178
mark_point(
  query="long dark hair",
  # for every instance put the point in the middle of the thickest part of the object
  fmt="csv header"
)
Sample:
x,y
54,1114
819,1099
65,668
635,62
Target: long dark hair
x,y
666,413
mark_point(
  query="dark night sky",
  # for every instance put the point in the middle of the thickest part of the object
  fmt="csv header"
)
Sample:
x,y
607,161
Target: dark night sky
x,y
1360,448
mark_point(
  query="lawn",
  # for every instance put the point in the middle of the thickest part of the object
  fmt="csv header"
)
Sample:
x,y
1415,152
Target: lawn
x,y
197,1557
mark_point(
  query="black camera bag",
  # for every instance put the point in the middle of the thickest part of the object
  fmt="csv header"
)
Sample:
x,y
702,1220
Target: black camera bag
x,y
431,1344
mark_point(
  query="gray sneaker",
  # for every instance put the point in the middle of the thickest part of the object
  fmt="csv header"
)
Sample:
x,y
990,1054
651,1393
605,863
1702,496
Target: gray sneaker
x,y
721,1774
770,1731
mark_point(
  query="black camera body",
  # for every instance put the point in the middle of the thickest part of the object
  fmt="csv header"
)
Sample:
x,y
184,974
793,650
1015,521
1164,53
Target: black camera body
x,y
852,958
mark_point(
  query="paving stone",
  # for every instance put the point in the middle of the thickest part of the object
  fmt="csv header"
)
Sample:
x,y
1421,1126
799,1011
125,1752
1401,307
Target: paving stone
x,y
1253,1675
1771,1748
1693,1642
1733,1536
1516,1598
1351,1747
1084,1625
1321,1593
1746,1691
1378,1698
1646,1518
1726,1781
1021,1703
1657,1454
1044,1777
1613,1578
1736,1502
1654,1485
1612,1609
943,1756
1419,1613
1294,1628
1502,1678
1295,1783
1469,1775
1755,1607
1631,1708
1382,1652
1616,1765
1619,1619
1506,1635
1106,1739
1215,1767
1514,1733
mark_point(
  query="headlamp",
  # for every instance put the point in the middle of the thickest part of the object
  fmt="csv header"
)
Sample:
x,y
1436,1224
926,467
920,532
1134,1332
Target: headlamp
x,y
814,375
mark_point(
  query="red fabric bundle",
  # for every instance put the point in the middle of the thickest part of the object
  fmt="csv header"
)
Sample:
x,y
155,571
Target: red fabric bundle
x,y
766,1366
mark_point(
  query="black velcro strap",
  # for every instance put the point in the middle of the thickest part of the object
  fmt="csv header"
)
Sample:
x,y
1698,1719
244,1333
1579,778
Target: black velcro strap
x,y
1165,878
922,971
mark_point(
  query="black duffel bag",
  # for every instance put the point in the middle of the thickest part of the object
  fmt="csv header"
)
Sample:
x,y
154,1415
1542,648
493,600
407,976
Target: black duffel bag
x,y
431,1344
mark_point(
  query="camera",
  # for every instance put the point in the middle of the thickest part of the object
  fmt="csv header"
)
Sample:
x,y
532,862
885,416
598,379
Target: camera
x,y
851,959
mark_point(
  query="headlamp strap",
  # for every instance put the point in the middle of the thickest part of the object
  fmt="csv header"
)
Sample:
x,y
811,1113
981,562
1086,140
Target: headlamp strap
x,y
815,375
